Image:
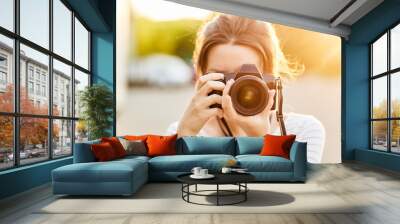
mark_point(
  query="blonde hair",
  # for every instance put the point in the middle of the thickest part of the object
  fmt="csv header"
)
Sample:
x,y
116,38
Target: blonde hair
x,y
258,35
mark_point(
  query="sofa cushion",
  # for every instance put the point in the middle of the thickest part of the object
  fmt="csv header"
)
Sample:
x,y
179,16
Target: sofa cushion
x,y
111,171
206,145
249,145
185,163
103,152
276,145
116,145
134,147
159,145
257,163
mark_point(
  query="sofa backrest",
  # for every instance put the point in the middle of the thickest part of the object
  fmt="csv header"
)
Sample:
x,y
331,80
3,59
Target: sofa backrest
x,y
206,145
249,145
83,152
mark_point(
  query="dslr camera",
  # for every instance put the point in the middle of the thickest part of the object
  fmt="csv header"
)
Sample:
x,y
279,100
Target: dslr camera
x,y
249,92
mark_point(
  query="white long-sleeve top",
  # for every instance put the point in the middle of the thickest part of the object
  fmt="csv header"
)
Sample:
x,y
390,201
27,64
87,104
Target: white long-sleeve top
x,y
306,128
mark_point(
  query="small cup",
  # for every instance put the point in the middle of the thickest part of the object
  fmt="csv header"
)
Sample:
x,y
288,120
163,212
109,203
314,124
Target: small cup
x,y
226,170
196,171
203,172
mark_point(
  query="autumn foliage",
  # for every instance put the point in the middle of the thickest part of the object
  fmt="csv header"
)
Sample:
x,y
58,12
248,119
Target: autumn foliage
x,y
33,131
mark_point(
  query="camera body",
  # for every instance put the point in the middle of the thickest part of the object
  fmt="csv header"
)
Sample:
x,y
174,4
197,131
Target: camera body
x,y
249,92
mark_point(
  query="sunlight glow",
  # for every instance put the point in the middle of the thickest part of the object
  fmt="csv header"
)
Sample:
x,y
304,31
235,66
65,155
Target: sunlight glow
x,y
165,10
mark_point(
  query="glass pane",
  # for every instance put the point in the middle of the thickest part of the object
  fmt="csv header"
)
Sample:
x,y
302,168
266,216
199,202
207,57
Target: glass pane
x,y
62,29
62,138
81,45
33,139
379,97
34,72
6,74
395,47
379,135
7,14
35,21
395,94
81,131
395,136
6,142
379,55
81,81
62,89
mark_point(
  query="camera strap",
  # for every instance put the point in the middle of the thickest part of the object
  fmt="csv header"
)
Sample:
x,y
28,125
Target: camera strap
x,y
279,113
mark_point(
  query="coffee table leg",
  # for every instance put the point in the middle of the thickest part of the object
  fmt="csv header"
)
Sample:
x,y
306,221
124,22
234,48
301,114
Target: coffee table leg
x,y
217,194
245,193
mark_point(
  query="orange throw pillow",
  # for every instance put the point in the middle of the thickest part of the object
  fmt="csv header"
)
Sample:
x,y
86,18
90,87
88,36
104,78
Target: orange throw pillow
x,y
103,152
277,145
161,145
116,145
136,137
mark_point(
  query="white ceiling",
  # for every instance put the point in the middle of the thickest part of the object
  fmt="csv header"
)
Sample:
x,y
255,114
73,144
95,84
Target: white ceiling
x,y
325,16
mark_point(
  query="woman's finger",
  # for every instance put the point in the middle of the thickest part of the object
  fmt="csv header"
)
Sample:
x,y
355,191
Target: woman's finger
x,y
227,105
208,77
212,99
228,87
214,112
209,86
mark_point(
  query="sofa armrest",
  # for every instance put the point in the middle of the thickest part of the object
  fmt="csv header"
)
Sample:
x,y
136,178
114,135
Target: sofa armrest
x,y
298,155
83,152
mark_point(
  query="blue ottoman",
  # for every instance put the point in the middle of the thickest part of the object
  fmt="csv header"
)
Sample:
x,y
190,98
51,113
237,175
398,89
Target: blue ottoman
x,y
119,177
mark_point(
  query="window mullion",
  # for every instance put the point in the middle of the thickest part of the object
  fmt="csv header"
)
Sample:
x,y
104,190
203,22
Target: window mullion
x,y
389,101
16,85
73,82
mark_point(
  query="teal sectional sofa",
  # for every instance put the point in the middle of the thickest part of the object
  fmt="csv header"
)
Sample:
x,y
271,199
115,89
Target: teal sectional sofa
x,y
125,176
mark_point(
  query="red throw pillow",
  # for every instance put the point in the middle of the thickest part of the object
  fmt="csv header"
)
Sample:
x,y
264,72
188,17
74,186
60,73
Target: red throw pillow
x,y
161,145
103,152
116,145
277,145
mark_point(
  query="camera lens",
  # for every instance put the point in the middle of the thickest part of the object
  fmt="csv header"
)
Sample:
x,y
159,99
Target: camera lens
x,y
249,95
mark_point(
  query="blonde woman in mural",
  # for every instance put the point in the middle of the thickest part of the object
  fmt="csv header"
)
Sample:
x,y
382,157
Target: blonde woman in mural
x,y
223,45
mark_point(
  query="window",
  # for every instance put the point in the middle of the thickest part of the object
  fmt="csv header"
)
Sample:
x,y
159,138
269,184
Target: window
x,y
30,87
6,73
62,31
7,14
30,72
34,21
385,91
81,45
3,61
3,77
62,74
44,91
44,113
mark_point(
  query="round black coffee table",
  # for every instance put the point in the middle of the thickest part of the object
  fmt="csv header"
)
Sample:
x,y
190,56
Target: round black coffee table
x,y
238,179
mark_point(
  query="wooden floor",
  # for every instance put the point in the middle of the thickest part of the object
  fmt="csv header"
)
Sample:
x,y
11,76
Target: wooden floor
x,y
377,188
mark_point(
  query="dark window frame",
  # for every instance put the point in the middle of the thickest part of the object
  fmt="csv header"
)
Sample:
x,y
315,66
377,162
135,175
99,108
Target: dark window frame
x,y
16,114
388,74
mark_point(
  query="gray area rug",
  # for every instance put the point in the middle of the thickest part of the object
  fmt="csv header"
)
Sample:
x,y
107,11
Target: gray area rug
x,y
166,198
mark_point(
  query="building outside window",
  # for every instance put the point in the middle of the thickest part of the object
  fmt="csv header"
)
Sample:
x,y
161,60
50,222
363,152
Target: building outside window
x,y
3,72
385,91
58,127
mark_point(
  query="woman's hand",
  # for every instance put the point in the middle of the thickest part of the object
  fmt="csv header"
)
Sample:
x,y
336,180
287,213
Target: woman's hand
x,y
257,125
198,112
